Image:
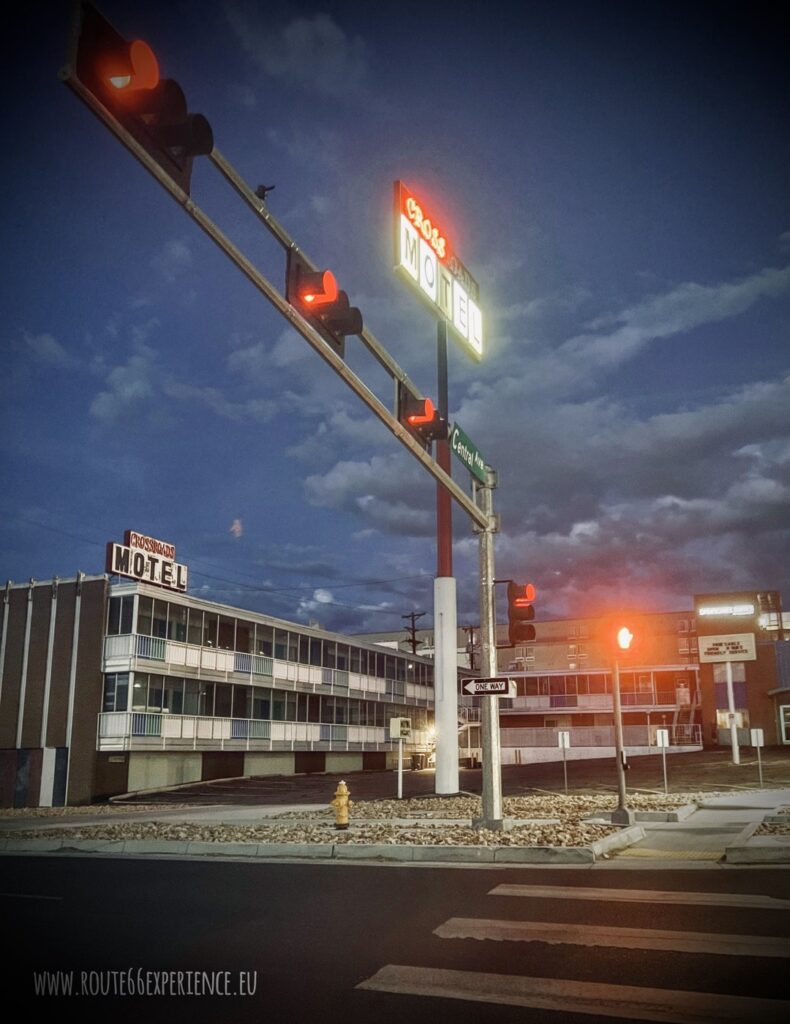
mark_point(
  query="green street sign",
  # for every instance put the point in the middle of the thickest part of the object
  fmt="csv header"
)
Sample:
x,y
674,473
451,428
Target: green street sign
x,y
466,451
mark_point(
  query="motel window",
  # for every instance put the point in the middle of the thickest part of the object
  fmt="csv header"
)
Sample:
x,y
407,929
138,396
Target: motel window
x,y
177,623
278,705
261,703
315,652
209,630
119,617
244,635
116,691
342,656
173,696
145,612
195,627
241,702
293,647
159,624
225,635
329,660
304,650
192,703
264,640
223,705
281,644
356,660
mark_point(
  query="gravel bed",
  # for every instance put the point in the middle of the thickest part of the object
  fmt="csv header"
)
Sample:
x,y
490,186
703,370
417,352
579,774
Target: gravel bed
x,y
369,823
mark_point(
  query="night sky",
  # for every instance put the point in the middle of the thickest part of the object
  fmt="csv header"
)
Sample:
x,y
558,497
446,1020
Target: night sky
x,y
616,176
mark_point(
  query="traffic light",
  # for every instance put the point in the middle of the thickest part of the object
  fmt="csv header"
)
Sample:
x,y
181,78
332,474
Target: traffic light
x,y
317,297
123,76
625,635
420,416
520,612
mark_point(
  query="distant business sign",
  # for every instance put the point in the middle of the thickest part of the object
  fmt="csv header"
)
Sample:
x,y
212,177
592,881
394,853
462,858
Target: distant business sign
x,y
494,686
147,560
465,451
722,611
730,647
425,258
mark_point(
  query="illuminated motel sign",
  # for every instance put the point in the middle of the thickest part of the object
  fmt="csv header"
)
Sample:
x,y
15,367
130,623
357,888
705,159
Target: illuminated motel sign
x,y
424,257
147,560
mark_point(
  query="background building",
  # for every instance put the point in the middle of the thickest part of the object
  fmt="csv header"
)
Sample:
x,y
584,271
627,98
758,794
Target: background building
x,y
110,687
564,679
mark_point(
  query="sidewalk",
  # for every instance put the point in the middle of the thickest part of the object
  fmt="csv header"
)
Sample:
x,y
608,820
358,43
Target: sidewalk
x,y
719,830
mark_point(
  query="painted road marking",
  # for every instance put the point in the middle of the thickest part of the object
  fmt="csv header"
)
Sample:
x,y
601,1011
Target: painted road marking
x,y
622,1001
624,938
717,899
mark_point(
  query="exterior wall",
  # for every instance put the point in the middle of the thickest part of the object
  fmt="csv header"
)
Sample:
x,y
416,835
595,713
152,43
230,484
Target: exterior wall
x,y
344,762
276,763
48,752
157,771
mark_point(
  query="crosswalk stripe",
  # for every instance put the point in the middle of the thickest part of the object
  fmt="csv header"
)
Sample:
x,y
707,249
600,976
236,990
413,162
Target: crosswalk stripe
x,y
620,1001
627,938
716,899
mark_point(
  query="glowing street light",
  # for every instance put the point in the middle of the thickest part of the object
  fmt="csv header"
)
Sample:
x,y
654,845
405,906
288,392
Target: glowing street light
x,y
625,637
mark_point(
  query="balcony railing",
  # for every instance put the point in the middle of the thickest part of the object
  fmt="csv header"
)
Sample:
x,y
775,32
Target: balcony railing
x,y
142,730
132,651
603,701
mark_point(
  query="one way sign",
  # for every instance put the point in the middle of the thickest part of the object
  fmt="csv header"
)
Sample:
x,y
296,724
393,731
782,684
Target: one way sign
x,y
494,686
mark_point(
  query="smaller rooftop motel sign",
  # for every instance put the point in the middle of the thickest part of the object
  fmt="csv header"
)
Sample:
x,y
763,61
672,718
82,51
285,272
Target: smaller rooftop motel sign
x,y
147,560
425,258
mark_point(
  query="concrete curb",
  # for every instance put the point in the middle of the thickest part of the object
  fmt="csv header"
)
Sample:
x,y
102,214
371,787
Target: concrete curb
x,y
751,849
422,854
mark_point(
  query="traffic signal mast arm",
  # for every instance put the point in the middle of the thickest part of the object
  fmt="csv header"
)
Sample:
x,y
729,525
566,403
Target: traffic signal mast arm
x,y
308,332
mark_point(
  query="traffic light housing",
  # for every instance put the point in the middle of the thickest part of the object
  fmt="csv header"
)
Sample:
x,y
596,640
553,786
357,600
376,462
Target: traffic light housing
x,y
316,295
624,634
520,612
420,416
123,76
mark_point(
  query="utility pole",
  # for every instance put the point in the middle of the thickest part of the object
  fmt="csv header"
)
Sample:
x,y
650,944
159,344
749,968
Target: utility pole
x,y
412,628
492,753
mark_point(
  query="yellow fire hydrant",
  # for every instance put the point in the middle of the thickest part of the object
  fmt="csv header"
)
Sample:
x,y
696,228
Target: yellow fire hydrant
x,y
342,805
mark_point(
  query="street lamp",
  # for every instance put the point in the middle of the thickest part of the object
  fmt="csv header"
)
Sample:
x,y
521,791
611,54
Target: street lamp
x,y
624,639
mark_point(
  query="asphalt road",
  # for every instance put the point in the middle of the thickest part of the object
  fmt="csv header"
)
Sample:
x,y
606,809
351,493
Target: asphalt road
x,y
307,936
705,771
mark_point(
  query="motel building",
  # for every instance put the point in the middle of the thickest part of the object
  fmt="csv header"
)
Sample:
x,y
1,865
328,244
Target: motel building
x,y
122,682
675,680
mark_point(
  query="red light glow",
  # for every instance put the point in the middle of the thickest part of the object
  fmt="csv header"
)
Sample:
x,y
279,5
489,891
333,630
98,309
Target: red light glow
x,y
132,71
325,293
425,416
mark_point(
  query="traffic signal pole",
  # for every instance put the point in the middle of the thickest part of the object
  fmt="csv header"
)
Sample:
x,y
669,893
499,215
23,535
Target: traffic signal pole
x,y
445,607
492,753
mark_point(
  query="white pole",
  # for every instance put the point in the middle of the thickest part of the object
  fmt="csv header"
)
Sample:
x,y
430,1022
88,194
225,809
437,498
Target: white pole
x,y
664,759
445,685
400,768
736,754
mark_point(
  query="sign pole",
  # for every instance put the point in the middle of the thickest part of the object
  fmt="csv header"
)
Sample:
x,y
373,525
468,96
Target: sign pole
x,y
492,755
622,816
736,753
400,768
445,611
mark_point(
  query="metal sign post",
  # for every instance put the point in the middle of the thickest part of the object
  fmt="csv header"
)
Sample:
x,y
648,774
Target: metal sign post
x,y
564,740
662,739
758,741
489,732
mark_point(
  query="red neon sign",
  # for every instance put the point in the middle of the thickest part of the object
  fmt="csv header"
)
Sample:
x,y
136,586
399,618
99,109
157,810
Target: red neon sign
x,y
422,221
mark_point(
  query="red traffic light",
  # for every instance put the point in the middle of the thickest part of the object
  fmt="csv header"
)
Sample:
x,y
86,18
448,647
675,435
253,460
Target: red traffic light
x,y
422,412
122,77
316,295
318,288
421,416
520,612
129,69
